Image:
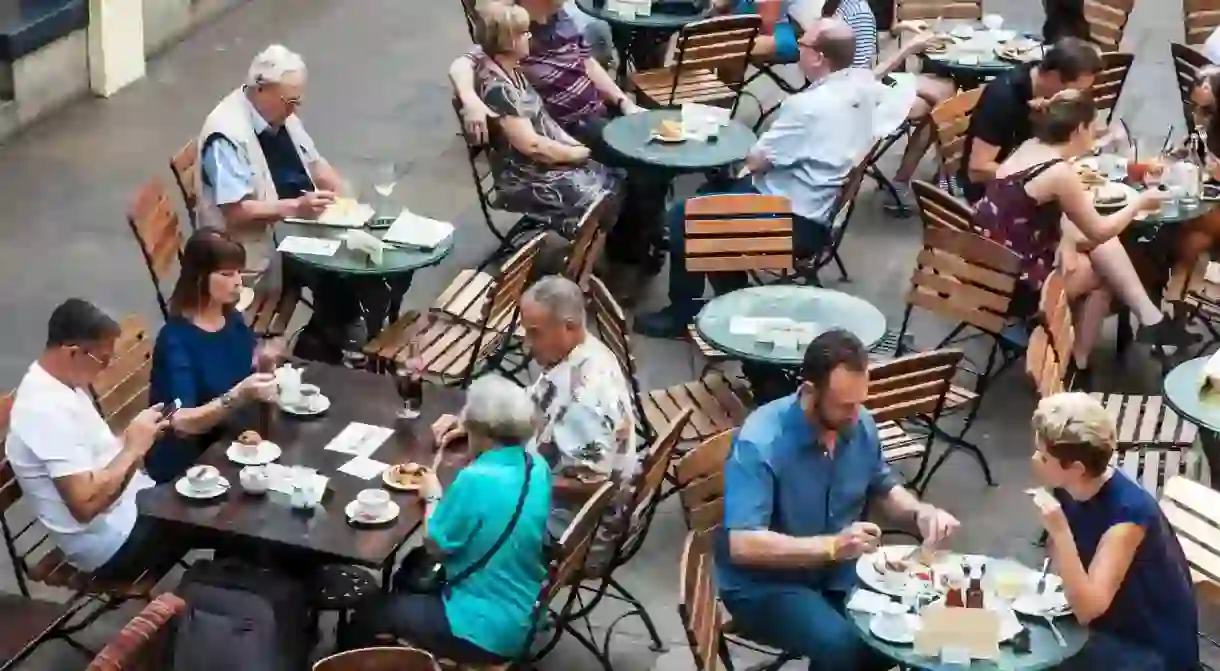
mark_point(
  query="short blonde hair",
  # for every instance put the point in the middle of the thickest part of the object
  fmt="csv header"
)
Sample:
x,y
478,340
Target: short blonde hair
x,y
1074,427
500,24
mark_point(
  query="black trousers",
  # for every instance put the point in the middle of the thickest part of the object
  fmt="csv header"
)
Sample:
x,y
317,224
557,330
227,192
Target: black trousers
x,y
150,546
418,619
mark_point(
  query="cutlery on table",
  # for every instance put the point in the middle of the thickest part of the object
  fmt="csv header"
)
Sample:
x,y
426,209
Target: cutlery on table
x,y
1055,630
1046,565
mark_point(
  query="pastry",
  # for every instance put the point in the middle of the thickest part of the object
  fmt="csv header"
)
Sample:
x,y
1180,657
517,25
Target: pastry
x,y
1109,195
249,438
670,130
406,475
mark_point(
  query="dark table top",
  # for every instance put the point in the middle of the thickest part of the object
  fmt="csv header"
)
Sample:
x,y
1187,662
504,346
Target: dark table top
x,y
349,262
665,16
269,521
631,136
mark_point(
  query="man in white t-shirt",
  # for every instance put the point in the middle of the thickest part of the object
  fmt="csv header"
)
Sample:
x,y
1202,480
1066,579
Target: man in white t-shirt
x,y
79,477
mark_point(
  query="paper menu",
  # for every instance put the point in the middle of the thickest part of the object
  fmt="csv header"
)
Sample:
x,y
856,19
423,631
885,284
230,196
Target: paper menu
x,y
364,468
360,440
299,244
415,231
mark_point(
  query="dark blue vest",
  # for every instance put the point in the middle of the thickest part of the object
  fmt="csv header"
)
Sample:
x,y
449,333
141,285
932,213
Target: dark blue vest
x,y
289,174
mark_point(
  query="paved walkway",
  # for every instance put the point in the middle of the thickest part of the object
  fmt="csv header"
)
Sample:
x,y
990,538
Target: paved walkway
x,y
377,92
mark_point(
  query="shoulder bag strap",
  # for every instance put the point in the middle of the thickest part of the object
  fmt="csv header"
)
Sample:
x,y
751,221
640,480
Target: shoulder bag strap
x,y
508,530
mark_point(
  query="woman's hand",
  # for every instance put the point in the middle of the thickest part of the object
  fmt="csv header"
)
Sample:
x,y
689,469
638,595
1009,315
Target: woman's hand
x,y
430,485
578,154
446,429
1151,199
475,114
257,387
1053,519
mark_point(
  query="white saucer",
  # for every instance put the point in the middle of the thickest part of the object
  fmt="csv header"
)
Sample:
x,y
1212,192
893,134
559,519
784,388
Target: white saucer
x,y
905,636
183,487
266,453
352,510
321,405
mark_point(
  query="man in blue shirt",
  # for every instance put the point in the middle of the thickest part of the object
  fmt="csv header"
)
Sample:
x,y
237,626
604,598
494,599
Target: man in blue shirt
x,y
796,483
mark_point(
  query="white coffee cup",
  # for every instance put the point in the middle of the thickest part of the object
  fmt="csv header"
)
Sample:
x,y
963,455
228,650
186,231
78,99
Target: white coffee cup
x,y
203,478
893,579
308,397
373,501
254,479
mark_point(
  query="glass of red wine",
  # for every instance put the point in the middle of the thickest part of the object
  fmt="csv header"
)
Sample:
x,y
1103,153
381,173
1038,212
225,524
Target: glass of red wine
x,y
409,380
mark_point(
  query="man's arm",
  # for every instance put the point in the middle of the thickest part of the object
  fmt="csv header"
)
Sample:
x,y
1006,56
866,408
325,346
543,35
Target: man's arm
x,y
323,174
780,146
900,55
606,86
232,181
987,134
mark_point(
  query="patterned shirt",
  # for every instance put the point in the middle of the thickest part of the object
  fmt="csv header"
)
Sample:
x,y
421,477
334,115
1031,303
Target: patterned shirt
x,y
557,69
859,15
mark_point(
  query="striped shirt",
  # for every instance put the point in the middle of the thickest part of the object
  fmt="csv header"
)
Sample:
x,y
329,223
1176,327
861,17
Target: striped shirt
x,y
859,15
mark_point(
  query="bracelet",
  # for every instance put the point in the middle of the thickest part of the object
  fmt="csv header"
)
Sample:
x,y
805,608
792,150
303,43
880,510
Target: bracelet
x,y
834,547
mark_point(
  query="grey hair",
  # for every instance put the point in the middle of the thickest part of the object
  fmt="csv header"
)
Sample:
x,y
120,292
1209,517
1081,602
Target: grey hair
x,y
560,297
273,64
499,410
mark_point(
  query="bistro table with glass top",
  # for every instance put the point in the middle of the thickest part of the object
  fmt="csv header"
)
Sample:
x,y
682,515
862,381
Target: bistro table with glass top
x,y
639,28
638,138
971,53
1036,628
1189,392
772,324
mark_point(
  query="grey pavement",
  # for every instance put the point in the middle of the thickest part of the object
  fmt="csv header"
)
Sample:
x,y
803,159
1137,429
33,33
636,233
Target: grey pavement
x,y
378,92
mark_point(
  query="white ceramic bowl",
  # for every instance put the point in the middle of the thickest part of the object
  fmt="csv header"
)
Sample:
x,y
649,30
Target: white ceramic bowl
x,y
254,479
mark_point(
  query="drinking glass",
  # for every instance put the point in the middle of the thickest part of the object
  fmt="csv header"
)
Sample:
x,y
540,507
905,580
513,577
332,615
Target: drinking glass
x,y
385,178
409,381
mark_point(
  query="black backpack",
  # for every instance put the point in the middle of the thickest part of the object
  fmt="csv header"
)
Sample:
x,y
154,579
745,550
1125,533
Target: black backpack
x,y
239,617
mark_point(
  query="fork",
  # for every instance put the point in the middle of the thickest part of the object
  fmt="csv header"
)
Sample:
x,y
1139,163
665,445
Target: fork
x,y
1055,630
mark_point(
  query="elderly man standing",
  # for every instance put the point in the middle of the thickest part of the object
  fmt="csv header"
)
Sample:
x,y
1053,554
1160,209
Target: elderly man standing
x,y
801,471
258,166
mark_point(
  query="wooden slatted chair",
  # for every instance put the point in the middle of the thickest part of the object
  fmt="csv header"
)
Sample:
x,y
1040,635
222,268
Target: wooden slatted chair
x,y
1199,19
912,388
1108,85
951,119
154,223
36,560
930,10
1048,357
139,645
1191,509
709,64
737,233
379,659
698,607
939,209
453,350
588,243
717,401
840,216
121,389
185,166
1107,21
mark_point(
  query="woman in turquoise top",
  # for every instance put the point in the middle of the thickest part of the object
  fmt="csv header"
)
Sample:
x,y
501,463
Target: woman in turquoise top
x,y
487,617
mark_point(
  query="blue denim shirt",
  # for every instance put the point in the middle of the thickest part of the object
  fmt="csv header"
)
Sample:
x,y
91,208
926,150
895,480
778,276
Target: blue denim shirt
x,y
778,477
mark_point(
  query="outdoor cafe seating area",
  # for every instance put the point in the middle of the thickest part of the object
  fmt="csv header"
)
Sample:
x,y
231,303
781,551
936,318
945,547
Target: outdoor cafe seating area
x,y
926,395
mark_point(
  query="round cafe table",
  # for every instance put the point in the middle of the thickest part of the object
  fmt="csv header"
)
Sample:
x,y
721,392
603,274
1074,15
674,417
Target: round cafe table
x,y
635,38
630,136
826,309
1184,393
380,286
989,65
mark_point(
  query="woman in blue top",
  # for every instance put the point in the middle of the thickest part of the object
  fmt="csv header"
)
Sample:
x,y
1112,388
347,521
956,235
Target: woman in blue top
x,y
487,616
204,355
1124,573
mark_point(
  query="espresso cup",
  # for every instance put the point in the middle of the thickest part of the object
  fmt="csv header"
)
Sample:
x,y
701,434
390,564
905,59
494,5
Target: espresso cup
x,y
203,478
373,501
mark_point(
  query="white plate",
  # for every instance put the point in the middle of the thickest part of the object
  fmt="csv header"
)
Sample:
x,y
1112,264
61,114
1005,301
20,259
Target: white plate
x,y
265,453
869,575
183,487
1052,603
385,478
245,299
904,637
354,514
321,405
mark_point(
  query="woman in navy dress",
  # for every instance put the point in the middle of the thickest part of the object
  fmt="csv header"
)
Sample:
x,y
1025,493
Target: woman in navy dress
x,y
204,355
1124,573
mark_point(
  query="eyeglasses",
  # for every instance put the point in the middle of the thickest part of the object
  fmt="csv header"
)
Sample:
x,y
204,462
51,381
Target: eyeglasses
x,y
101,362
292,102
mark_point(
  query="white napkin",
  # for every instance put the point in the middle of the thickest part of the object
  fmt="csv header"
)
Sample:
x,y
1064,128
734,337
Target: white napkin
x,y
360,440
347,213
866,601
415,231
360,241
279,479
364,468
298,244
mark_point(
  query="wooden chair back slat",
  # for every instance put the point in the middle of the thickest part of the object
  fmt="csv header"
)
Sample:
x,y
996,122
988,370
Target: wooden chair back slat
x,y
911,386
951,120
719,42
965,277
1192,511
611,325
567,569
697,604
504,295
1109,83
379,659
700,479
657,461
1187,62
930,10
1199,19
1050,345
939,209
1107,21
738,232
185,166
121,389
154,223
587,244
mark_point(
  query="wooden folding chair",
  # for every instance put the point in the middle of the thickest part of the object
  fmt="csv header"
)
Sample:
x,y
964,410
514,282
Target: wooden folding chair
x,y
939,209
1192,511
737,233
698,607
951,120
139,645
930,10
465,298
1187,63
1108,85
185,166
120,391
154,223
718,401
1107,21
709,65
1199,19
379,659
588,242
840,216
452,350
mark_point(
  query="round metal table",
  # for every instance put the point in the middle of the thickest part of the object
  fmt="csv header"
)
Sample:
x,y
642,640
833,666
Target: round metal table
x,y
1184,393
1045,651
989,66
825,309
631,137
380,286
641,33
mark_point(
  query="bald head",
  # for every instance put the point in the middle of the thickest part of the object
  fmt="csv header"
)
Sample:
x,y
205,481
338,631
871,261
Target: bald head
x,y
834,40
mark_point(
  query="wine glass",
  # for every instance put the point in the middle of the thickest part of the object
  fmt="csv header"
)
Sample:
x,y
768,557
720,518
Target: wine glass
x,y
409,381
385,178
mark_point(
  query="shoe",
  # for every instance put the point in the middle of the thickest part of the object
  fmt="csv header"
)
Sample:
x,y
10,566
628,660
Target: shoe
x,y
1166,333
664,323
901,201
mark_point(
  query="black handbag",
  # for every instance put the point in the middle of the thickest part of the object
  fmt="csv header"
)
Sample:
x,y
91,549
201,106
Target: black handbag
x,y
422,573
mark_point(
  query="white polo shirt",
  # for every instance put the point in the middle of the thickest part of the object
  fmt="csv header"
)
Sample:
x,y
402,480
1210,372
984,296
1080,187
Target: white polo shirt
x,y
56,431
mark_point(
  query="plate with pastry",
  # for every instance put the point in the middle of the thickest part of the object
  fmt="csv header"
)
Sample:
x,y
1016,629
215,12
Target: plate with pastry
x,y
251,450
670,130
892,568
1112,196
403,477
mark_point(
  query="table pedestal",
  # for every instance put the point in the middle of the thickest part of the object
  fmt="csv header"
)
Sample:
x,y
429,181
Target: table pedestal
x,y
1210,442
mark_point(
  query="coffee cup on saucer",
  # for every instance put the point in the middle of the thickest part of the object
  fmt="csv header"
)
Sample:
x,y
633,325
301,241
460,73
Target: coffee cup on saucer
x,y
309,395
373,502
254,479
203,478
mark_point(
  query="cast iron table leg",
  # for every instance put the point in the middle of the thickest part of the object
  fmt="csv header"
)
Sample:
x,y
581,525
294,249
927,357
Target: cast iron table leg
x,y
1210,441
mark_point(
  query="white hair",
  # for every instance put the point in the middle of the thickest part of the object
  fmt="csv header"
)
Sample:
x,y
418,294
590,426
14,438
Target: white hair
x,y
1074,417
273,64
500,410
560,297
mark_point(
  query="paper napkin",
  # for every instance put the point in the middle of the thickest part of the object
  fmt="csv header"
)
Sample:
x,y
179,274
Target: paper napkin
x,y
298,244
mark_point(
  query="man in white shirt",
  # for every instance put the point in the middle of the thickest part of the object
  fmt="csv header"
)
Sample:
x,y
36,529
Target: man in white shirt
x,y
81,479
818,136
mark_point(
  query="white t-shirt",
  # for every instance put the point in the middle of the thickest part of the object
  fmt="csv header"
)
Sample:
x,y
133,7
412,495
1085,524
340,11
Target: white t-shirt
x,y
56,431
1211,48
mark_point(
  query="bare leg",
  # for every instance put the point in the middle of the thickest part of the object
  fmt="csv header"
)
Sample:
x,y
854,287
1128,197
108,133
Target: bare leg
x,y
1198,239
932,91
1082,281
1112,263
